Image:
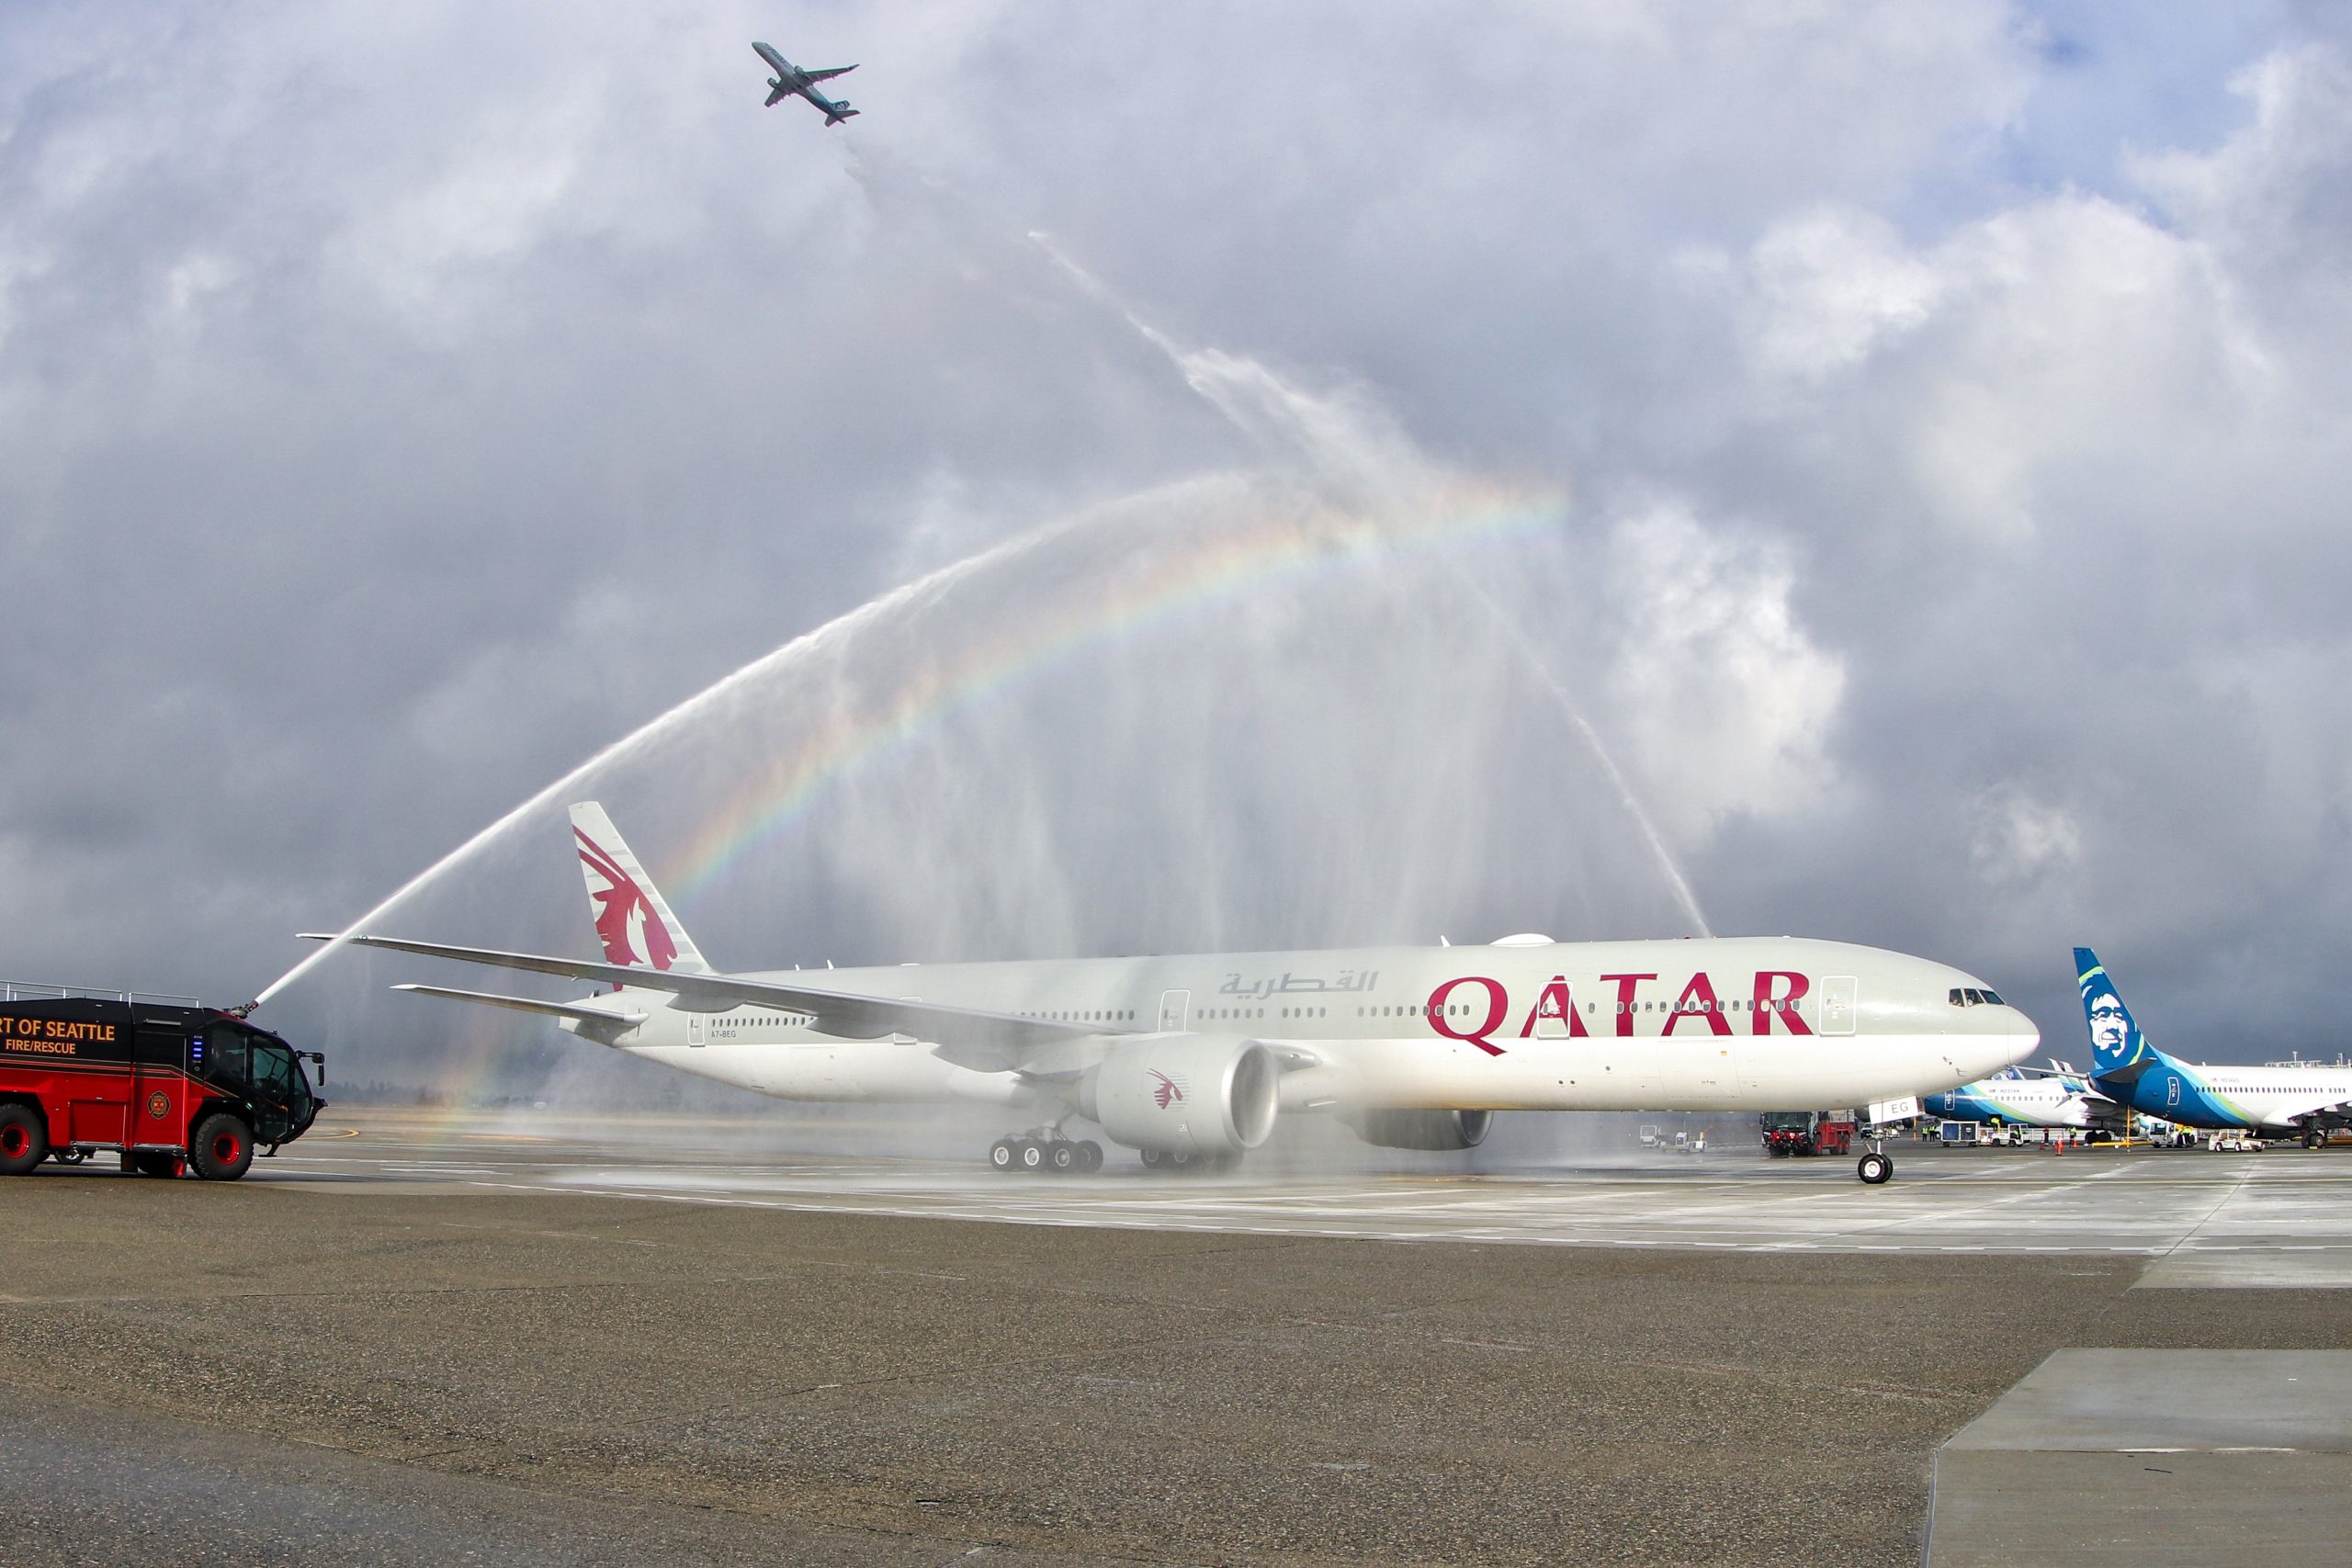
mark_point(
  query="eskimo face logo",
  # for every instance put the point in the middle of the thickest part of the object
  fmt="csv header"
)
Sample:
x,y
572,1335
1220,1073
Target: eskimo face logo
x,y
1167,1091
624,912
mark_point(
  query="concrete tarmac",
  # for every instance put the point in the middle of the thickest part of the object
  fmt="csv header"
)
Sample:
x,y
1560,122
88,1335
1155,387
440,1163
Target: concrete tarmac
x,y
435,1340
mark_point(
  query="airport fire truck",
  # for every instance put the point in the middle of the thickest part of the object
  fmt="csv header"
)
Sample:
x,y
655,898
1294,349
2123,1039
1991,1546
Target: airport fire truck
x,y
1807,1132
165,1082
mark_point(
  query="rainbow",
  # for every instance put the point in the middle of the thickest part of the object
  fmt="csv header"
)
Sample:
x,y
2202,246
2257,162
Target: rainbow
x,y
1215,570
1202,571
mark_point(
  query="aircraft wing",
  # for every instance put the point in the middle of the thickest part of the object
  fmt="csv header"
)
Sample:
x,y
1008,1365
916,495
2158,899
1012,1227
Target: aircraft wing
x,y
827,75
994,1035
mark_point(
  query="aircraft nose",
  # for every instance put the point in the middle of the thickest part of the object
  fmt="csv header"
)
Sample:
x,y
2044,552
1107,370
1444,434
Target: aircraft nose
x,y
2006,1046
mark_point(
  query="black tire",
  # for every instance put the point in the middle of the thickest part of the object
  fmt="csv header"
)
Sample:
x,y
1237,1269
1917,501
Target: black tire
x,y
1031,1154
1063,1156
1089,1156
1152,1159
69,1156
1875,1170
152,1164
221,1147
24,1140
1000,1154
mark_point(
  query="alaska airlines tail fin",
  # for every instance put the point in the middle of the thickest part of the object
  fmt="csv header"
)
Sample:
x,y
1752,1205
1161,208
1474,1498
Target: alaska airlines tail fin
x,y
632,918
2116,1040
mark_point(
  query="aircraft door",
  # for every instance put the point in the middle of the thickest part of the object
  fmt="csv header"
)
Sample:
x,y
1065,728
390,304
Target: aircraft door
x,y
1173,1006
694,1029
1839,993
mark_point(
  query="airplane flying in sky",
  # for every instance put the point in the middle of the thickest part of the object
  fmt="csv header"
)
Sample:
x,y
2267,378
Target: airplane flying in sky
x,y
790,79
1190,1059
2270,1102
2023,1097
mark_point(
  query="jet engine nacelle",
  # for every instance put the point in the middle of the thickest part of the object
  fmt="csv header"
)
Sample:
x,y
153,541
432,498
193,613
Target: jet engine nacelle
x,y
1439,1132
1184,1095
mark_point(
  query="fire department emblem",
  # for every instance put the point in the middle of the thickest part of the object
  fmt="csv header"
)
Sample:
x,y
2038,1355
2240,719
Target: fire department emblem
x,y
1167,1092
159,1105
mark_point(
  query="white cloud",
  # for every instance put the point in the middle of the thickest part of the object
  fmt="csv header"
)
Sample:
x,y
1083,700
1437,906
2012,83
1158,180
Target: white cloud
x,y
1725,699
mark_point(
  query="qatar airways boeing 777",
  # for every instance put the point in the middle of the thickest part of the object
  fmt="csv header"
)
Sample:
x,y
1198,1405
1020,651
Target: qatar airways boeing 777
x,y
1190,1059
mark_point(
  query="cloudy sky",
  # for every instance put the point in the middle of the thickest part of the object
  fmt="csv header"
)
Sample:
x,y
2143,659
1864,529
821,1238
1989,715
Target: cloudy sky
x,y
1363,472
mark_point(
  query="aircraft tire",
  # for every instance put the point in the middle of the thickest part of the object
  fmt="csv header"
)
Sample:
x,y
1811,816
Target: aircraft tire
x,y
1000,1154
1089,1156
1152,1159
1063,1157
24,1143
221,1148
69,1156
1875,1170
1031,1154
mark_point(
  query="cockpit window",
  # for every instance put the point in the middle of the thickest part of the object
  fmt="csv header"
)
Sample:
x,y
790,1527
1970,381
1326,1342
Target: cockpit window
x,y
1992,998
1972,996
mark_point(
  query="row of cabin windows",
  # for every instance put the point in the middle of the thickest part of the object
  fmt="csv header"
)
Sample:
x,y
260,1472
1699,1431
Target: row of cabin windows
x,y
1462,1009
1097,1016
1971,997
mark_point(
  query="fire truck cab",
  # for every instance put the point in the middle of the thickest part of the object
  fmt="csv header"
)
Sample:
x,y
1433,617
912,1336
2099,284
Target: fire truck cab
x,y
165,1082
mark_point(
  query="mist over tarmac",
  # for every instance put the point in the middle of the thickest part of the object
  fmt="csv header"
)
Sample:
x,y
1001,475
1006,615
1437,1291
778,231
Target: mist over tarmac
x,y
1879,466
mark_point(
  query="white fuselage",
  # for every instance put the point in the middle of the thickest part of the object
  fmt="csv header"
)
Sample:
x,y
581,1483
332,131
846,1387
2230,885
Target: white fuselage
x,y
1696,1024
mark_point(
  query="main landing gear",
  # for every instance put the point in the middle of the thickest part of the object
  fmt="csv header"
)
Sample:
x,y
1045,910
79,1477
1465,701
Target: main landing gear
x,y
1046,1152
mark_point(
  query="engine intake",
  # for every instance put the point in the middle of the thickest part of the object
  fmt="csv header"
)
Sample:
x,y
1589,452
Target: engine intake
x,y
1184,1095
1439,1131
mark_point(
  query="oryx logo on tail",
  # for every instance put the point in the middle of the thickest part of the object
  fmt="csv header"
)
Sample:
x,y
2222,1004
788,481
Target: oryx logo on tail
x,y
622,913
632,921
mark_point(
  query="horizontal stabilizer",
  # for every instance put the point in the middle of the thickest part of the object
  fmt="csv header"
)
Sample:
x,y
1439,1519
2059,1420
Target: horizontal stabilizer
x,y
584,1011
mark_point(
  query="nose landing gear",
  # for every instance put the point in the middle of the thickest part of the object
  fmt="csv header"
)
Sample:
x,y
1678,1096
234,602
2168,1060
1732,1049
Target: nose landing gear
x,y
1876,1168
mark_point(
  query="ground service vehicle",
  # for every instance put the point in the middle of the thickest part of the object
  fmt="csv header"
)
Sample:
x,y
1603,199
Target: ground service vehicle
x,y
167,1083
1807,1132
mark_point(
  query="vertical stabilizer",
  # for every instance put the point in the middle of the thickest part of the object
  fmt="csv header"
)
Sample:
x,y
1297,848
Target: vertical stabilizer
x,y
632,919
2116,1040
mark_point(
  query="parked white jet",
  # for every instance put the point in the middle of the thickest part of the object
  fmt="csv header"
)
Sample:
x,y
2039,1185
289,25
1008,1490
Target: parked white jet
x,y
1190,1059
2026,1097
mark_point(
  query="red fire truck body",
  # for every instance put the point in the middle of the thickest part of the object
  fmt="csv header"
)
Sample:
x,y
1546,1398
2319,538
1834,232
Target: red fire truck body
x,y
1790,1132
167,1084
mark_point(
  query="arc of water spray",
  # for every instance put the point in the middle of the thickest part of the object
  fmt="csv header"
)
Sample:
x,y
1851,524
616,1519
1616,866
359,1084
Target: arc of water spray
x,y
645,734
1216,378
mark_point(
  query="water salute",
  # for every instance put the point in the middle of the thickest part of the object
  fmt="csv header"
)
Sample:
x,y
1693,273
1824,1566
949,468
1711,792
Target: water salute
x,y
1056,822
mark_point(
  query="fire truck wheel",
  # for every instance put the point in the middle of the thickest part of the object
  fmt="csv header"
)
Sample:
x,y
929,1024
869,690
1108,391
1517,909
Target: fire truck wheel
x,y
1874,1169
23,1141
221,1147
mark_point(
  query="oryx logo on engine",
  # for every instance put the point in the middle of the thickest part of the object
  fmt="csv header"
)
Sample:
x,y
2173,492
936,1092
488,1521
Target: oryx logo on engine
x,y
1167,1091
